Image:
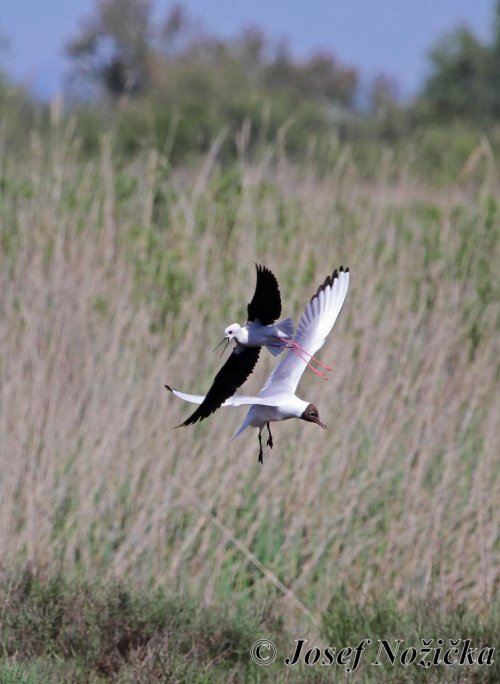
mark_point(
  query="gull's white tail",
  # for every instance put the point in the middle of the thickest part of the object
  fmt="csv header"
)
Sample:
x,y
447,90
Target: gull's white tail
x,y
243,426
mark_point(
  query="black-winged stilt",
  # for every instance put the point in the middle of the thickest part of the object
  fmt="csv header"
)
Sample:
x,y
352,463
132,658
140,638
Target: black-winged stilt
x,y
259,331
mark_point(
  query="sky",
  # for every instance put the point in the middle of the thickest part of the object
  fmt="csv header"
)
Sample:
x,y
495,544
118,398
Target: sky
x,y
376,36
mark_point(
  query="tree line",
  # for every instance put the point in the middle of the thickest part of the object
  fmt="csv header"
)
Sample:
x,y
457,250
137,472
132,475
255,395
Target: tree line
x,y
170,83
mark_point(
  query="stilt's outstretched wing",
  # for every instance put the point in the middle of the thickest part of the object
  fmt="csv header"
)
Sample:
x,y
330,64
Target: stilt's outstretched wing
x,y
265,306
230,377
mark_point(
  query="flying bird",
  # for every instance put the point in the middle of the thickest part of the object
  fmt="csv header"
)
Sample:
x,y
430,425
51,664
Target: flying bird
x,y
259,331
277,400
262,311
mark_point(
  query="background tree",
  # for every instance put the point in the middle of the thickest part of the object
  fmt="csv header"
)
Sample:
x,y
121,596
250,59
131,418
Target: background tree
x,y
464,80
112,49
195,84
494,67
458,84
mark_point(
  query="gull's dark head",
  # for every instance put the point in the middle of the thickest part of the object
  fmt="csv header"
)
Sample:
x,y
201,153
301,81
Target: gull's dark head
x,y
311,414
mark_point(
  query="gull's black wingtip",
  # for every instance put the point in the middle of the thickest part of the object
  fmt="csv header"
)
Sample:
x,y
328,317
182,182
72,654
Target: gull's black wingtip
x,y
170,389
330,279
339,271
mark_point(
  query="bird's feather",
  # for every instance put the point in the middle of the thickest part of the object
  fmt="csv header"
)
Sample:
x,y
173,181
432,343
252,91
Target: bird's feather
x,y
231,376
315,324
265,306
236,400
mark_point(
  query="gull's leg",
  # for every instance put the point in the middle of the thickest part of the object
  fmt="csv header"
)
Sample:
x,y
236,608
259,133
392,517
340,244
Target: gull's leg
x,y
270,438
261,460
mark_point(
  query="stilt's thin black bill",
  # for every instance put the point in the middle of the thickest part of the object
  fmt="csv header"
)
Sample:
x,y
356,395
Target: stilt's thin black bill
x,y
224,339
218,345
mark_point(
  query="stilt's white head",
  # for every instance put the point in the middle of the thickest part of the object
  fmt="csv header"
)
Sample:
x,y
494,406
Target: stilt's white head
x,y
233,332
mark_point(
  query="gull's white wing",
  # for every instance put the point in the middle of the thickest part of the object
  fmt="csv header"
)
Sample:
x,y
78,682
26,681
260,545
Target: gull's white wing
x,y
317,320
235,400
193,398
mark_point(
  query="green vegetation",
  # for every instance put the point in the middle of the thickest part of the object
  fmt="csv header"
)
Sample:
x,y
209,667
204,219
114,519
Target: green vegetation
x,y
55,631
464,80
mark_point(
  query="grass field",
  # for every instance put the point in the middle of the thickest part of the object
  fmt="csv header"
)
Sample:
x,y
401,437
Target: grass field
x,y
116,278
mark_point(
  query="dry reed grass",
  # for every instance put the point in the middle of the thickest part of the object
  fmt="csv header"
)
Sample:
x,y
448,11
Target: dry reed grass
x,y
115,280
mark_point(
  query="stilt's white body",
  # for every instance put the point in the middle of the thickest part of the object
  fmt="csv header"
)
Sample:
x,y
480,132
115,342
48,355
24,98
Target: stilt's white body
x,y
254,334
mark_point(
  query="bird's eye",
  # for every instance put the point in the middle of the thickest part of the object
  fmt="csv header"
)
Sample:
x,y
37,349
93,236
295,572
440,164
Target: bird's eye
x,y
313,413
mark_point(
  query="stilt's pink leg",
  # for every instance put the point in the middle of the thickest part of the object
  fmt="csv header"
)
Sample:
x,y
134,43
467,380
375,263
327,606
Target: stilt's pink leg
x,y
292,344
314,370
297,349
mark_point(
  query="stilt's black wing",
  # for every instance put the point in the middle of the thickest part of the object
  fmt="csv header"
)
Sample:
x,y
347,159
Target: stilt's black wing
x,y
266,303
230,377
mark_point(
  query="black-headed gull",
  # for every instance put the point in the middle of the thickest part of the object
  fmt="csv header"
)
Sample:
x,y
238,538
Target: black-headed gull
x,y
277,400
259,331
